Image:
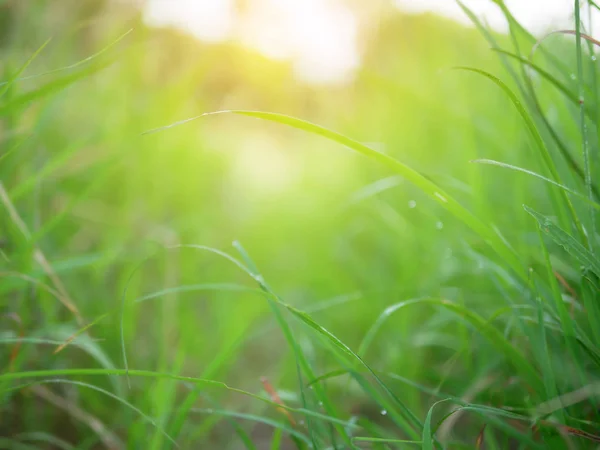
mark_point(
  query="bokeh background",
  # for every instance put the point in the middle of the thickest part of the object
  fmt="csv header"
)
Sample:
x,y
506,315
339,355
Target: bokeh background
x,y
332,232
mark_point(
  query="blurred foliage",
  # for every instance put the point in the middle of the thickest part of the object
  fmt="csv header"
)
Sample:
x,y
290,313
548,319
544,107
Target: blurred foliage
x,y
102,200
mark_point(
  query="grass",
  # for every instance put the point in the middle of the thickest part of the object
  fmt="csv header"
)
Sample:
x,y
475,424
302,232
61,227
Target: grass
x,y
415,296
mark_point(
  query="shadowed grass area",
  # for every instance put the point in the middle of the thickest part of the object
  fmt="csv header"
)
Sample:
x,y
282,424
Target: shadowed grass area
x,y
176,274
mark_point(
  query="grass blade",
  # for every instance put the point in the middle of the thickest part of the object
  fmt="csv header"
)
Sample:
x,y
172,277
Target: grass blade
x,y
430,188
566,241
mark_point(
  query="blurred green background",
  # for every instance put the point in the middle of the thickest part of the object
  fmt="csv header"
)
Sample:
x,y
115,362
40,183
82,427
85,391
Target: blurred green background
x,y
333,233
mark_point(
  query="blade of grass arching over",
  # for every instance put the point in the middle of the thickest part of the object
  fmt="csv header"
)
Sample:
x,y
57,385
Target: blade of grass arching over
x,y
492,162
566,241
302,363
7,84
428,440
539,142
407,421
276,425
527,91
561,87
75,64
51,374
345,349
490,415
514,356
21,101
430,188
124,402
582,123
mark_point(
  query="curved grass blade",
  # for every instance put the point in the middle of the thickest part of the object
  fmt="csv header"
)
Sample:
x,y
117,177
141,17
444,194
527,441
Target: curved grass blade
x,y
427,186
258,419
544,74
566,241
7,84
107,393
75,64
546,156
529,87
492,162
51,87
572,32
340,345
582,122
11,376
485,329
428,443
302,364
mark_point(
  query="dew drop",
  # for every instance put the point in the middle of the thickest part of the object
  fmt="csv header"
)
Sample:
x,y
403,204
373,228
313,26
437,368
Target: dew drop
x,y
441,197
412,204
593,58
573,77
439,225
320,403
383,412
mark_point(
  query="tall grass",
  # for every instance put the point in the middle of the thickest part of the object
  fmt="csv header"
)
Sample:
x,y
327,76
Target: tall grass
x,y
454,305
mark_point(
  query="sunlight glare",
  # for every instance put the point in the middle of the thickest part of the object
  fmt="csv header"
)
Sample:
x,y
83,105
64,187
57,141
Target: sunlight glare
x,y
535,15
207,20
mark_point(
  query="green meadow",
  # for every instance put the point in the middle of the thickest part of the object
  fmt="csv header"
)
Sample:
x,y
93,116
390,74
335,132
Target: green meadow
x,y
407,260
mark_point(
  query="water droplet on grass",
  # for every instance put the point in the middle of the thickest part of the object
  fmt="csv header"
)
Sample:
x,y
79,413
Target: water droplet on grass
x,y
439,225
573,77
441,197
593,58
383,412
412,204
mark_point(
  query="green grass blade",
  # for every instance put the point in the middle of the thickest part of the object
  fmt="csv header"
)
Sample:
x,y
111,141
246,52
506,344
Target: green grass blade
x,y
428,441
124,402
430,188
77,63
14,78
20,101
566,241
561,87
492,162
302,363
482,326
539,142
413,420
276,425
582,122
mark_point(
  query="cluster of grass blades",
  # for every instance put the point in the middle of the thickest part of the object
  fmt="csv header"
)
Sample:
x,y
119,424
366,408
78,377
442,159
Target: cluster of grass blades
x,y
536,387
